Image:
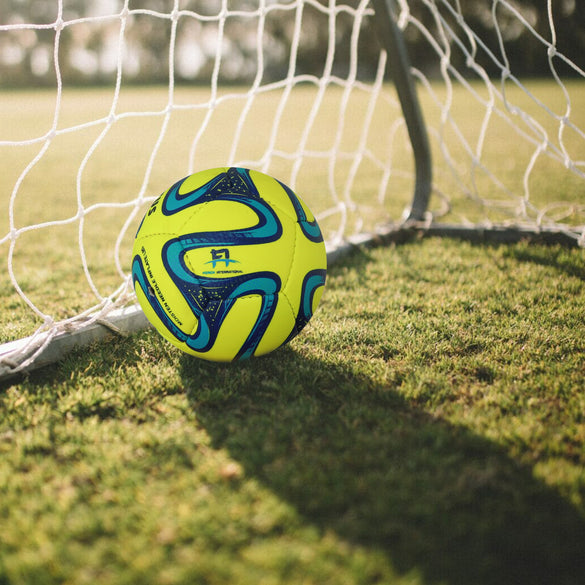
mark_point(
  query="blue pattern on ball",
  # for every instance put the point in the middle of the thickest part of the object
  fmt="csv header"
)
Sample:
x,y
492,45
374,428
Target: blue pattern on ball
x,y
210,299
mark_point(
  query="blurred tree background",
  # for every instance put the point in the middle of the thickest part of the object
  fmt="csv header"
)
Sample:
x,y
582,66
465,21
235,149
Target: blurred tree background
x,y
90,39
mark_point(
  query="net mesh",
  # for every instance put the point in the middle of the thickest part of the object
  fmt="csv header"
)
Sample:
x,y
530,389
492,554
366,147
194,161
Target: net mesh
x,y
524,135
297,89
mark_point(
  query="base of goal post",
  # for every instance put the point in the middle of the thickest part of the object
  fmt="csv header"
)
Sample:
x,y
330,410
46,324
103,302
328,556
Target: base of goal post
x,y
43,352
40,350
477,234
130,319
503,234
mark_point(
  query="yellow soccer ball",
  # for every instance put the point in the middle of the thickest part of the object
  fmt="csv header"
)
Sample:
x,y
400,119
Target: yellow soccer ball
x,y
228,263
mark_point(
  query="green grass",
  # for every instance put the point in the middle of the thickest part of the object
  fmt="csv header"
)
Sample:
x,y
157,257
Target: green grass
x,y
427,427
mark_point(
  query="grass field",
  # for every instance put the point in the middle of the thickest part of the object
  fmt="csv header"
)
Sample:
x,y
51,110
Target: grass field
x,y
426,428
83,201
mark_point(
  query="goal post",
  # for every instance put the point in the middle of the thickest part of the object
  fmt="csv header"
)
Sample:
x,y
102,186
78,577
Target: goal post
x,y
392,41
388,116
517,163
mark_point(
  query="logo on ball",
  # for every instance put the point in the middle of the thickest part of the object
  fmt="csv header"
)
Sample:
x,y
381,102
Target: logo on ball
x,y
222,255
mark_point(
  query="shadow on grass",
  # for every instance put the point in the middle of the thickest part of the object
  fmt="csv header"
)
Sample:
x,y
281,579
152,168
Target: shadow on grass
x,y
558,258
354,457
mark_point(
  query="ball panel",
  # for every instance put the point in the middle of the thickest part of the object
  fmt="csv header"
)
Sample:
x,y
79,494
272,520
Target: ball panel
x,y
229,263
242,333
154,223
309,256
311,290
171,310
225,261
248,329
272,192
158,319
197,188
280,327
214,216
296,208
233,330
317,294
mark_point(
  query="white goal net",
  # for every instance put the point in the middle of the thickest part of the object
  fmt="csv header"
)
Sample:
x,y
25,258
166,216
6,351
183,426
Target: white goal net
x,y
106,103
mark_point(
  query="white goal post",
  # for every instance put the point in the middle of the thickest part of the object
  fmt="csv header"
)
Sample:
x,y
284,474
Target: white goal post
x,y
387,116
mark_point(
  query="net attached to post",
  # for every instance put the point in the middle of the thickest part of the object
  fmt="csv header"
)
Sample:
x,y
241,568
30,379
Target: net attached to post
x,y
104,104
502,97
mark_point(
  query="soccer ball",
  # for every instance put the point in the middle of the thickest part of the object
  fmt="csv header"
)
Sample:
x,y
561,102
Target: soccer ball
x,y
228,263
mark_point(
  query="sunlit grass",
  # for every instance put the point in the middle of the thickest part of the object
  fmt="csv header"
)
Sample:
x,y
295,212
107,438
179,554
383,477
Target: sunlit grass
x,y
426,427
